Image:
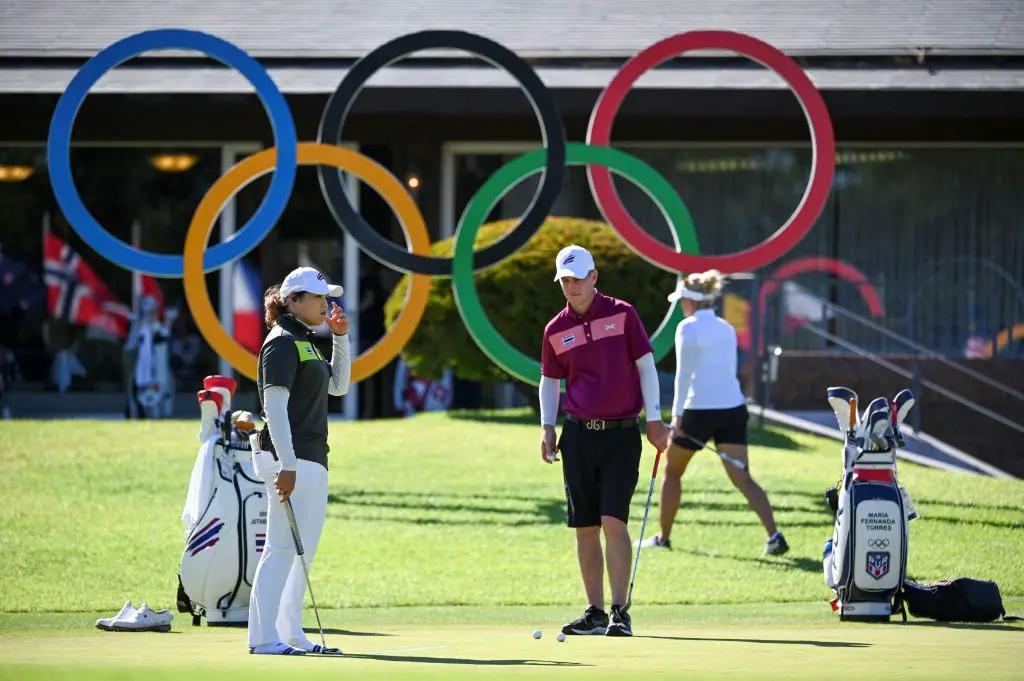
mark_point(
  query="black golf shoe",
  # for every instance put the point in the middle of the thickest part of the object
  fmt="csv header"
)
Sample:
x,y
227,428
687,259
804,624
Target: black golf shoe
x,y
621,624
593,622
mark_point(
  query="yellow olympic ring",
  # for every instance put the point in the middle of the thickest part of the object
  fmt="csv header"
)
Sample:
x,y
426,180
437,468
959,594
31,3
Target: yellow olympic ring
x,y
310,153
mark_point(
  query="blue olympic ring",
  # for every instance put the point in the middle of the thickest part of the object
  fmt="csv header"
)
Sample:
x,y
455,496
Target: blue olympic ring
x,y
58,153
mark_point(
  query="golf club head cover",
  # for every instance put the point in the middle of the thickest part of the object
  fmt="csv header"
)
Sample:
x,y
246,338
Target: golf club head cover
x,y
223,385
210,406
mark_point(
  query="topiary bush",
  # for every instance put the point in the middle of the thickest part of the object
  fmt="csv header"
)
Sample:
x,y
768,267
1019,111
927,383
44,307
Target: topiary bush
x,y
521,296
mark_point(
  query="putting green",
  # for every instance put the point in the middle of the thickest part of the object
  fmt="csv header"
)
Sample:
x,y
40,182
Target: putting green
x,y
705,648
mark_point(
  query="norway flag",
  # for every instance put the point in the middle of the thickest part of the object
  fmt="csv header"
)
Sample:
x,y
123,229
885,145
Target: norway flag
x,y
248,317
75,294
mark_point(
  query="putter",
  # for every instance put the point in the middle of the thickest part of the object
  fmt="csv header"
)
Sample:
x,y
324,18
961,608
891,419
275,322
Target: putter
x,y
725,457
643,528
298,549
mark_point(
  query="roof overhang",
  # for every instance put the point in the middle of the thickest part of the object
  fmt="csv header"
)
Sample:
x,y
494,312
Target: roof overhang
x,y
322,80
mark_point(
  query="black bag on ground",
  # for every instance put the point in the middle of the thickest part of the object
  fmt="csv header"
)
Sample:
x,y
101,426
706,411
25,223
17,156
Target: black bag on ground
x,y
957,600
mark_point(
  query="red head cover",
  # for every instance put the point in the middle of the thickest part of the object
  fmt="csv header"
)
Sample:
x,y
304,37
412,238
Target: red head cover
x,y
217,381
206,395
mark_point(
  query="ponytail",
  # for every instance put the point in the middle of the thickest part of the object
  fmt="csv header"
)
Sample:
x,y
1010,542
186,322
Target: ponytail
x,y
273,305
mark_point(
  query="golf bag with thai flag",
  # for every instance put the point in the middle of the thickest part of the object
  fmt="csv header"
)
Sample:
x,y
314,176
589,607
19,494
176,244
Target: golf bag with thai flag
x,y
865,561
225,513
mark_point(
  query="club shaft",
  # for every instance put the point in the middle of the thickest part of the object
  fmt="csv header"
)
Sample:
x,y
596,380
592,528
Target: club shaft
x,y
305,569
643,528
725,457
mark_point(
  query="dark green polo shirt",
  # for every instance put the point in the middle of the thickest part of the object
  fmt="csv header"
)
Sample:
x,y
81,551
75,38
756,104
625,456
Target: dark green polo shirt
x,y
289,359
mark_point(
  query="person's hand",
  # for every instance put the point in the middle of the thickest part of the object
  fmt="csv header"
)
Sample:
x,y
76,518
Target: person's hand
x,y
658,434
548,445
337,320
285,484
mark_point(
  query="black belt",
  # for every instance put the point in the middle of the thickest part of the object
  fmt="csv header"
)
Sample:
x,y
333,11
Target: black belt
x,y
601,424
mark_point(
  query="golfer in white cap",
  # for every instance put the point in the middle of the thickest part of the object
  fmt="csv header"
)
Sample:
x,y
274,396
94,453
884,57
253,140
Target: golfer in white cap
x,y
294,380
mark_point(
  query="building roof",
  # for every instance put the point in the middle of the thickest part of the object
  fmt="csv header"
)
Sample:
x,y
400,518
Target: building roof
x,y
555,29
323,81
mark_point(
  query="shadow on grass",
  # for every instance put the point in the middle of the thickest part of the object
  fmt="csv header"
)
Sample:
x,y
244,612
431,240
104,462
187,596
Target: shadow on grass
x,y
775,439
819,644
995,626
756,436
967,505
462,661
430,511
802,564
511,416
343,632
437,509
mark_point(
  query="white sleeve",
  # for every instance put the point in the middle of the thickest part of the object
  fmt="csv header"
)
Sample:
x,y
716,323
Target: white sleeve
x,y
650,386
275,406
341,366
549,395
684,372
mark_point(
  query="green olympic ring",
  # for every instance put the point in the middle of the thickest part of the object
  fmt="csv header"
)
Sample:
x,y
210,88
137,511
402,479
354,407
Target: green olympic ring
x,y
467,301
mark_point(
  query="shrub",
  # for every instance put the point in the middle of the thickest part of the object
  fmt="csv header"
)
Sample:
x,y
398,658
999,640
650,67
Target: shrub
x,y
520,296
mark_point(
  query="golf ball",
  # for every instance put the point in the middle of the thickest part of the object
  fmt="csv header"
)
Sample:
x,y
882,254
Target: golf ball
x,y
560,637
536,634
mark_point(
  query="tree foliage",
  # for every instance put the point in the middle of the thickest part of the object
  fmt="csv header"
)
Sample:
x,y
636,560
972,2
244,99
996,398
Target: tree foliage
x,y
520,296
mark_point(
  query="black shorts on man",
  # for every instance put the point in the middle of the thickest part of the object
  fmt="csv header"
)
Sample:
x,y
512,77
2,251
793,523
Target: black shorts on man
x,y
600,469
724,426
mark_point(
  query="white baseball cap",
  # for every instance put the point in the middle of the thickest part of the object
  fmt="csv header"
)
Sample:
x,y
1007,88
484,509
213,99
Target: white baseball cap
x,y
309,280
573,261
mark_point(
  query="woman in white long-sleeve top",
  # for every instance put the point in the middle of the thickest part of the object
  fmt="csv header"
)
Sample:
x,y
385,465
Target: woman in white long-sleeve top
x,y
708,404
294,381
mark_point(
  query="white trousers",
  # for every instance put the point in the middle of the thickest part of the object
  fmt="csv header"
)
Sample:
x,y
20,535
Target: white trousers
x,y
279,587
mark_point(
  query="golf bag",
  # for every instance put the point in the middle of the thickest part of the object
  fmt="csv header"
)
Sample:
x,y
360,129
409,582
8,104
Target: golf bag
x,y
865,561
225,513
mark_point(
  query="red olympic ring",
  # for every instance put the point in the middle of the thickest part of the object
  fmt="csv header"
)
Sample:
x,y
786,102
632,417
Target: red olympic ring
x,y
839,268
823,146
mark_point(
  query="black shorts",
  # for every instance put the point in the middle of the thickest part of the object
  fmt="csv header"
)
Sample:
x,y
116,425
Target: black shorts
x,y
600,469
724,426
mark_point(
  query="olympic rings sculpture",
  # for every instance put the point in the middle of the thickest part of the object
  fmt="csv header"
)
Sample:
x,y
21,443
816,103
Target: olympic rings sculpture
x,y
551,160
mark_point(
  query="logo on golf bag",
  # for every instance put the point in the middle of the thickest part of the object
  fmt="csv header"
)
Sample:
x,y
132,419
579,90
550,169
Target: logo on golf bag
x,y
877,563
206,537
878,543
261,540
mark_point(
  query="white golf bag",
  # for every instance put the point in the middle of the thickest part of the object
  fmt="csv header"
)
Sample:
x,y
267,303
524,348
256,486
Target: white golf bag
x,y
865,561
225,515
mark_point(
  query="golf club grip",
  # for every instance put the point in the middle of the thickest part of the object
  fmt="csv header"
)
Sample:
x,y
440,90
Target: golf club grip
x,y
295,528
657,460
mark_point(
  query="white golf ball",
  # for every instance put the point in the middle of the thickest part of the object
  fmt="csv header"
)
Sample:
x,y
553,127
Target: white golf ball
x,y
560,637
536,634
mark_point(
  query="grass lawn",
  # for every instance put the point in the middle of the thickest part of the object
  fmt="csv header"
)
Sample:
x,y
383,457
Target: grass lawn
x,y
457,510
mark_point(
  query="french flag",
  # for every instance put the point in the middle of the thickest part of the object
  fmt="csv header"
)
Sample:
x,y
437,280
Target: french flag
x,y
248,320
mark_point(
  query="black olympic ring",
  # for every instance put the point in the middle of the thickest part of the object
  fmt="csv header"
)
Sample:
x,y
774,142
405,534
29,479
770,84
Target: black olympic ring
x,y
878,543
544,106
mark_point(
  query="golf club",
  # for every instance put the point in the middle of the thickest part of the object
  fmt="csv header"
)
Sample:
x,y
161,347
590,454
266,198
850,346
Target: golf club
x,y
643,528
725,457
298,549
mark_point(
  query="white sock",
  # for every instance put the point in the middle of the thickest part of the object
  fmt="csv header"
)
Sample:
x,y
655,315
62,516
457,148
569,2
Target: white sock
x,y
303,644
276,649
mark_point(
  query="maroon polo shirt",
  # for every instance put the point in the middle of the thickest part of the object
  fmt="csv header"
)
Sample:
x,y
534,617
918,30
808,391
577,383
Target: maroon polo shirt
x,y
596,354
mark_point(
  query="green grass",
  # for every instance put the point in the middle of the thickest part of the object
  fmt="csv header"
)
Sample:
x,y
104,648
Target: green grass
x,y
442,511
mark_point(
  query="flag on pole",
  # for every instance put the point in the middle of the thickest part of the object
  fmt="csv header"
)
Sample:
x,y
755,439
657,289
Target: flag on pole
x,y
76,294
248,312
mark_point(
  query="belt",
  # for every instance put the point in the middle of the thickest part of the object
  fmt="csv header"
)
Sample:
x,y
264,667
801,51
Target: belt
x,y
601,424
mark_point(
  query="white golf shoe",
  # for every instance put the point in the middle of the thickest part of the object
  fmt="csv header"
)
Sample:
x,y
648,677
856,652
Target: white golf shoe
x,y
653,542
144,619
127,611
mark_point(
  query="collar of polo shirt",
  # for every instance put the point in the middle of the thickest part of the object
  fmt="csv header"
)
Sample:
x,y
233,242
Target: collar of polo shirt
x,y
599,300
